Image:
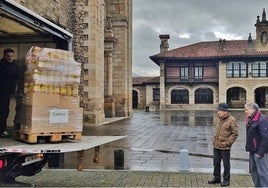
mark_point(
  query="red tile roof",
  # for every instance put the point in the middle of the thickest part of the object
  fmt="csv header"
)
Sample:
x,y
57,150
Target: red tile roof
x,y
142,80
212,49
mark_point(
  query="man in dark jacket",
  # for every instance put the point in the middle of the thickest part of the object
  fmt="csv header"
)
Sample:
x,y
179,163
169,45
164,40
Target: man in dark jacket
x,y
225,135
9,73
257,144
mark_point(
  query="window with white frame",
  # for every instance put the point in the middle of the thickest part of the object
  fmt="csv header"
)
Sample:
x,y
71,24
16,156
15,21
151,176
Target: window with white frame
x,y
198,73
260,69
184,73
236,69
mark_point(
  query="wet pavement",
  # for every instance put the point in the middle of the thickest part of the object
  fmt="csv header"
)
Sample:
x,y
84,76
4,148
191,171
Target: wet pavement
x,y
155,140
152,153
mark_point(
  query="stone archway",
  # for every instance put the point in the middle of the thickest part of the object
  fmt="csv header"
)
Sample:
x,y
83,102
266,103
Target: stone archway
x,y
203,96
179,96
236,97
260,96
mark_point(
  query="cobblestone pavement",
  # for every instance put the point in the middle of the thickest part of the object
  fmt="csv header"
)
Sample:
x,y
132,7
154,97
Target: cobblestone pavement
x,y
113,178
152,153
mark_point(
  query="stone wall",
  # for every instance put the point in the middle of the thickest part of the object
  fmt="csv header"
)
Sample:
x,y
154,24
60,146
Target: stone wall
x,y
94,68
121,18
59,12
86,20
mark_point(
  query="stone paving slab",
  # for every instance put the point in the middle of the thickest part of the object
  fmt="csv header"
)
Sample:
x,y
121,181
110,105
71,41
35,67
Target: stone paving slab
x,y
122,178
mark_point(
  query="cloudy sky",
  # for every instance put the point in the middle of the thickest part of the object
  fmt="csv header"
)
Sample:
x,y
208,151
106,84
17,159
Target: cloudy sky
x,y
188,22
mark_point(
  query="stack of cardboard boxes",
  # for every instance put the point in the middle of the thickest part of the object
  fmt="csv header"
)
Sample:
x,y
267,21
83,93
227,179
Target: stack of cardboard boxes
x,y
51,101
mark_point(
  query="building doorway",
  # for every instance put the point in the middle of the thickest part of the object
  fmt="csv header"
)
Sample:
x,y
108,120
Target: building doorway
x,y
260,96
134,99
236,97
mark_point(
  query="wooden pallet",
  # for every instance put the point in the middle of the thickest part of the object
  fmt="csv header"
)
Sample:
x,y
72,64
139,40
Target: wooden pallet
x,y
47,137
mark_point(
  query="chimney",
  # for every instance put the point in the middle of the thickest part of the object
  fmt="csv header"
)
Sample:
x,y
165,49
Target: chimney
x,y
249,38
222,43
164,42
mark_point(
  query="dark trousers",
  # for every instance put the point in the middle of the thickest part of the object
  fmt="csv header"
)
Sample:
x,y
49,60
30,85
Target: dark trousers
x,y
4,111
223,155
18,109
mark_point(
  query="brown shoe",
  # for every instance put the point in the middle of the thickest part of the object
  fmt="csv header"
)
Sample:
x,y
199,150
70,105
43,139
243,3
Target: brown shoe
x,y
214,181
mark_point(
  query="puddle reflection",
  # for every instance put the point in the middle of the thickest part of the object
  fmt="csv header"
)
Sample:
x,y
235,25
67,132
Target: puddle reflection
x,y
196,117
188,118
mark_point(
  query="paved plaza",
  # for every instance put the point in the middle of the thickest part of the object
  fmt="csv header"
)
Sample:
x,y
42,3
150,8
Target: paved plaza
x,y
152,153
155,140
112,178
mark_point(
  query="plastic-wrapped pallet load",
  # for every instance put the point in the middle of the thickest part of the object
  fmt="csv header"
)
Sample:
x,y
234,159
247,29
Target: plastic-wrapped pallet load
x,y
52,71
51,101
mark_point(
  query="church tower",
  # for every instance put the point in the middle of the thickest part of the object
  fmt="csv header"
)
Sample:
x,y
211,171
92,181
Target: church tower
x,y
262,32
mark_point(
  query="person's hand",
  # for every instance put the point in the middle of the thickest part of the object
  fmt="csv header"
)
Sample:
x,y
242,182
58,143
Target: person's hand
x,y
257,155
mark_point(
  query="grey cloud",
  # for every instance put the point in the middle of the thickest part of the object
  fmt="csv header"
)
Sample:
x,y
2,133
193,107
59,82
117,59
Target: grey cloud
x,y
199,18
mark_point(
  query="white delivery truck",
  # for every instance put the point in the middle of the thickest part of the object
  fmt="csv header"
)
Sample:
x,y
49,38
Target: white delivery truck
x,y
20,29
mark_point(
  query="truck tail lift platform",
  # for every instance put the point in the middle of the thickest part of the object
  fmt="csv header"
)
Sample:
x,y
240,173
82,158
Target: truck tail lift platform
x,y
23,159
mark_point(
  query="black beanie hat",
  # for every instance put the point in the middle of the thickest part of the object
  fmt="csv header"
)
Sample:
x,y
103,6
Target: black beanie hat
x,y
223,107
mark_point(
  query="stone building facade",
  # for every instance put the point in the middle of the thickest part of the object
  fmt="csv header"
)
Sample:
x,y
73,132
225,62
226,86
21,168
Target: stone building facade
x,y
102,43
201,75
145,93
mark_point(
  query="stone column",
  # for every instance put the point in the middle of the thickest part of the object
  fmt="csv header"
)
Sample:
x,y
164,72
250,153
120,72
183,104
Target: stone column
x,y
109,104
250,96
110,73
164,45
121,23
162,86
191,97
109,41
92,48
222,82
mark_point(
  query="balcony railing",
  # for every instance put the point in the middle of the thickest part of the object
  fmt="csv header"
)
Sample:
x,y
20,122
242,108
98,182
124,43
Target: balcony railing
x,y
176,79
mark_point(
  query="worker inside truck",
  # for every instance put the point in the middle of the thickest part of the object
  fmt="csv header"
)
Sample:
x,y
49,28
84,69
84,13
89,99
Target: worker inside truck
x,y
9,76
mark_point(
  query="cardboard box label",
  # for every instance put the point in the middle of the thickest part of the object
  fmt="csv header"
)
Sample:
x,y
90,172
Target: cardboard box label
x,y
59,116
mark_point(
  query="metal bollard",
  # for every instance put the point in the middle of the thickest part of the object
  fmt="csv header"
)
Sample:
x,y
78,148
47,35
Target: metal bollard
x,y
184,160
119,159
